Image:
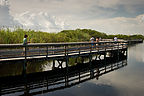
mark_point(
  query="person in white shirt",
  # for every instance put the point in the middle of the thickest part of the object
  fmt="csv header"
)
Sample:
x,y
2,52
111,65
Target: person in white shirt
x,y
92,40
115,39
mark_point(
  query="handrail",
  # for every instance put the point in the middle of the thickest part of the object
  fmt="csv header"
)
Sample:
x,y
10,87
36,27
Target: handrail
x,y
57,44
56,49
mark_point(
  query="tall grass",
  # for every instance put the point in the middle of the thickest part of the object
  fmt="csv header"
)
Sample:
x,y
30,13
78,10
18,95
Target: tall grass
x,y
8,36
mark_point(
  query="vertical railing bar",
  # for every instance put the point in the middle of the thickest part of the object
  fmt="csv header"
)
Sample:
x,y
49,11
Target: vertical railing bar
x,y
65,50
47,51
79,49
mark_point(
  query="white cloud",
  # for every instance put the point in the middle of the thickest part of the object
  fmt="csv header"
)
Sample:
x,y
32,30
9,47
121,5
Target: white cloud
x,y
118,25
40,21
5,18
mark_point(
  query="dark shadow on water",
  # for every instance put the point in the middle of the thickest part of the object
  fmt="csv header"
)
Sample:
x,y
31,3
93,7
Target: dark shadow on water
x,y
48,81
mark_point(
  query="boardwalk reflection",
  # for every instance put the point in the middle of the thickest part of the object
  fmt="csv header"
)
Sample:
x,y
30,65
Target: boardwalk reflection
x,y
43,82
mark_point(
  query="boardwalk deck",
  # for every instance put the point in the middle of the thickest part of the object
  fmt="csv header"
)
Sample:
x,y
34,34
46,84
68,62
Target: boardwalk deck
x,y
11,52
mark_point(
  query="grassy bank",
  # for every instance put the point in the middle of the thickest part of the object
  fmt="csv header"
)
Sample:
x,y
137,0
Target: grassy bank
x,y
16,36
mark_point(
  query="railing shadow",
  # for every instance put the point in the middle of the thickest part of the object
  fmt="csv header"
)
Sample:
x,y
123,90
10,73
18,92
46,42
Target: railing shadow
x,y
43,82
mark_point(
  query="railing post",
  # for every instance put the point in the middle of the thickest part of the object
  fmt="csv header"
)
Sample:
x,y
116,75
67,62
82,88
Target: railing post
x,y
118,51
65,50
105,45
90,48
105,52
111,45
79,49
47,51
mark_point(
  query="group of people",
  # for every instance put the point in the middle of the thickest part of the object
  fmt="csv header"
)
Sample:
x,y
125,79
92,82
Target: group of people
x,y
92,39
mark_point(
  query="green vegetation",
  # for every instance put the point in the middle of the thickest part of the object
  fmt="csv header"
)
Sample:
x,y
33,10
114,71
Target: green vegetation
x,y
127,37
16,36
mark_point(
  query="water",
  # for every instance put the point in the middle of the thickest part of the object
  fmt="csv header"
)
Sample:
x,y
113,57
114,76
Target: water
x,y
126,81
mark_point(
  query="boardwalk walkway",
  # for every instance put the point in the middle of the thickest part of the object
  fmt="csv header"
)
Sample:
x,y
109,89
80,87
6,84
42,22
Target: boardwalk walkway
x,y
10,52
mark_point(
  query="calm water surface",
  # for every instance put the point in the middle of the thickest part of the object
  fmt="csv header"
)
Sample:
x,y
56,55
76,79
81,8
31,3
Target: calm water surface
x,y
126,81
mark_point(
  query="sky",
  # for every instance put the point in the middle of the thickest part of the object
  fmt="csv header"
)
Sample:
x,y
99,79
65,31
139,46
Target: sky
x,y
108,16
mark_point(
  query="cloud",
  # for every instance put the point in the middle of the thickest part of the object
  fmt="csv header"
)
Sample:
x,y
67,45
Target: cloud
x,y
85,9
117,25
40,21
5,18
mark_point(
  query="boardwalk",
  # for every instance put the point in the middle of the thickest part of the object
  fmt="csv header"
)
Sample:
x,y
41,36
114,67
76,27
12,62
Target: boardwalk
x,y
10,52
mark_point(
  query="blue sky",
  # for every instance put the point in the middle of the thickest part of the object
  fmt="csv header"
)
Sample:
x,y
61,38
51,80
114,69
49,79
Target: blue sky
x,y
109,16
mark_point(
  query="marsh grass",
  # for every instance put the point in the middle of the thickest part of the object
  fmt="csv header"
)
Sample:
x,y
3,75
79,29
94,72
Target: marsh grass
x,y
8,36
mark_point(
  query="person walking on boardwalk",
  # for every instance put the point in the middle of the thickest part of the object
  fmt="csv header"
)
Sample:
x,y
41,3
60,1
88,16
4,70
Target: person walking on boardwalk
x,y
25,40
97,42
97,39
115,39
92,41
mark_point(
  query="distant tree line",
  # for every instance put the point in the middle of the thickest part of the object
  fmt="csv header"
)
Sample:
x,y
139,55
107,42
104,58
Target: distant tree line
x,y
8,36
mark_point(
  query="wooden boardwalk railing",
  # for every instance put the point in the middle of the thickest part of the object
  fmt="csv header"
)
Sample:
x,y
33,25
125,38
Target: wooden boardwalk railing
x,y
55,50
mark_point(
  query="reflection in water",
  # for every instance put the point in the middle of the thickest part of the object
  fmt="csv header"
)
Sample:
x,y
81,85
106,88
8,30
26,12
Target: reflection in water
x,y
136,52
128,81
47,81
15,68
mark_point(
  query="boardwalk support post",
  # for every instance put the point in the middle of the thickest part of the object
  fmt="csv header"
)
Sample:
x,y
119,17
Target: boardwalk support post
x,y
53,67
